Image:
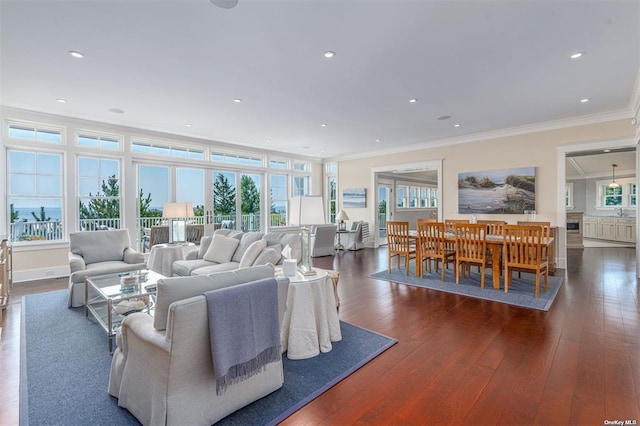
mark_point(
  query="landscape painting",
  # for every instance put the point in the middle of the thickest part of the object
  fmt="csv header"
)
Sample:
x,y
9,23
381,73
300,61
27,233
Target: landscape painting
x,y
506,191
354,197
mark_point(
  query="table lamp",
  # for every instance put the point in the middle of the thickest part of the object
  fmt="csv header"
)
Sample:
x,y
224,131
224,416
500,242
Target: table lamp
x,y
342,216
176,213
306,210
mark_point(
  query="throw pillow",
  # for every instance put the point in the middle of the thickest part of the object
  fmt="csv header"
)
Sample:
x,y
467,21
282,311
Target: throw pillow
x,y
271,254
252,252
221,249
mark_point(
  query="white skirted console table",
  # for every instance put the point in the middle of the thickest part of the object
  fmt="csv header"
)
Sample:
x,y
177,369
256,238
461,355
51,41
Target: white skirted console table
x,y
162,256
310,320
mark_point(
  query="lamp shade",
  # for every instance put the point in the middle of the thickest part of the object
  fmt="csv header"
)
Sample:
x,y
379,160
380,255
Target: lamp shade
x,y
342,215
306,210
181,209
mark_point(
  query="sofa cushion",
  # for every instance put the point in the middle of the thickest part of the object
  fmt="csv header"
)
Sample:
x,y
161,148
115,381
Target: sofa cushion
x,y
184,268
247,239
99,246
252,253
216,267
221,249
283,239
205,242
170,290
269,255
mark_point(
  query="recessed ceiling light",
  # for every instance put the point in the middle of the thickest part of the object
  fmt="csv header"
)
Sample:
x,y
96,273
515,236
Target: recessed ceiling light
x,y
268,140
323,125
62,101
606,150
76,54
237,100
378,140
329,54
585,100
305,147
225,4
413,101
457,125
187,125
116,110
577,55
444,117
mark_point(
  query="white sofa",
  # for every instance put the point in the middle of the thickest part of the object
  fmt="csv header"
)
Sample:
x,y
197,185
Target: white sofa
x,y
162,369
97,253
323,240
207,259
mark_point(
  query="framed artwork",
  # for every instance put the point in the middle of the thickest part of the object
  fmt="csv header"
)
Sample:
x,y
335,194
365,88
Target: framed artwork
x,y
505,191
354,197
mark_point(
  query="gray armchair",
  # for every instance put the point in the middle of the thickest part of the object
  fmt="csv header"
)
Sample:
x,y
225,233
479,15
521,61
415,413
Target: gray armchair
x,y
97,253
357,235
323,240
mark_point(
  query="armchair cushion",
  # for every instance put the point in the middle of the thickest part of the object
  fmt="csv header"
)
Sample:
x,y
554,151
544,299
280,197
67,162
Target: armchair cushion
x,y
99,246
221,249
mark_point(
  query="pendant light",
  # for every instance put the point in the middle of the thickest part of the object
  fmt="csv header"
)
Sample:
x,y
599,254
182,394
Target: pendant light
x,y
613,183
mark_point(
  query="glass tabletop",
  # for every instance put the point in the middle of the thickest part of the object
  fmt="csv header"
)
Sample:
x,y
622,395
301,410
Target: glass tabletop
x,y
125,284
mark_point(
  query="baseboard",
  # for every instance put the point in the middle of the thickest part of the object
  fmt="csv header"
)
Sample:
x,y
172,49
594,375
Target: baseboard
x,y
39,274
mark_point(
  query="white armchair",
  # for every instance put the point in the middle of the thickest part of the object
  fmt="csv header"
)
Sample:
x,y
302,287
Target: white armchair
x,y
323,239
97,253
357,235
162,370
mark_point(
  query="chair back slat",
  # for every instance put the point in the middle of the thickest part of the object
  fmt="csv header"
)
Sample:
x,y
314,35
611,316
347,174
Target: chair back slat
x,y
494,227
450,223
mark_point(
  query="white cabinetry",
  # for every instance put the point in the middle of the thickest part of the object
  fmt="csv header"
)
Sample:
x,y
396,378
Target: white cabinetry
x,y
621,229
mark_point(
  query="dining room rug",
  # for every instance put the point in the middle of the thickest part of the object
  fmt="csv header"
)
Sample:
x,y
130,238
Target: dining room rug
x,y
64,370
521,290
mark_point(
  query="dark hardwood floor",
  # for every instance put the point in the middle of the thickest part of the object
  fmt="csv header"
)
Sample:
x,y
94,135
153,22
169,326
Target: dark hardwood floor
x,y
462,360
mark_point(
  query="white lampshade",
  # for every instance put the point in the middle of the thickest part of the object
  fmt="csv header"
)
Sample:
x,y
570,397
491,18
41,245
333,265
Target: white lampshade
x,y
342,215
306,210
181,209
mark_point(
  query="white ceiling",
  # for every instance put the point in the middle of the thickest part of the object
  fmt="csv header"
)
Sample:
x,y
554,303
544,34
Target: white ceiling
x,y
489,64
590,165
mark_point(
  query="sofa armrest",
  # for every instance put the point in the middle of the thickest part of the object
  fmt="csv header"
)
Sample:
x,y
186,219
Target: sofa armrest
x,y
76,263
132,256
192,255
141,324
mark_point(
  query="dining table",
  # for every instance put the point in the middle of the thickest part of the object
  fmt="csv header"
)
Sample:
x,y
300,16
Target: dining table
x,y
494,244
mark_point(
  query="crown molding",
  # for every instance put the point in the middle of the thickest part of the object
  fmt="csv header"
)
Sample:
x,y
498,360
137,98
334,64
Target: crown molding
x,y
634,102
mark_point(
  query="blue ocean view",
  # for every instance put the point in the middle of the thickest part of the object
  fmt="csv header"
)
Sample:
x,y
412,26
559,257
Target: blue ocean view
x,y
55,213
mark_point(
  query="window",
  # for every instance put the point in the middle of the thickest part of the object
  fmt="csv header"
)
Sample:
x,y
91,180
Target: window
x,y
35,133
621,196
236,159
35,195
332,199
166,150
413,197
300,185
278,194
568,195
104,142
401,196
278,164
98,193
632,194
301,165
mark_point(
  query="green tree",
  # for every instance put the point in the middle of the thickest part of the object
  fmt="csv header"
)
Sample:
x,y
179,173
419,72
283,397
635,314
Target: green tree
x,y
15,215
43,216
249,195
224,196
382,207
107,206
143,206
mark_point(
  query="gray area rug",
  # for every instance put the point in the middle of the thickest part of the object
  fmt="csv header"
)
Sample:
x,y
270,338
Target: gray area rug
x,y
521,290
64,370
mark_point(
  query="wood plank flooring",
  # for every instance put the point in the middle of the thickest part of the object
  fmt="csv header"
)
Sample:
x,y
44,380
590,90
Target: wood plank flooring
x,y
461,360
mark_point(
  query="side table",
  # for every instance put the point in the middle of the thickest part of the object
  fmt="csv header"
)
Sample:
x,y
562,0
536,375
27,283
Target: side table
x,y
340,246
162,256
310,320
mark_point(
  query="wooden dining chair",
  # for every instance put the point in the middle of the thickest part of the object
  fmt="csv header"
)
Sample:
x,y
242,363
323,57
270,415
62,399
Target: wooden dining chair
x,y
547,232
494,227
471,248
433,246
522,251
450,223
399,244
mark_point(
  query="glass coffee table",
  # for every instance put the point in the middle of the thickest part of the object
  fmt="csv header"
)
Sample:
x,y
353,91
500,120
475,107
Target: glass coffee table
x,y
110,298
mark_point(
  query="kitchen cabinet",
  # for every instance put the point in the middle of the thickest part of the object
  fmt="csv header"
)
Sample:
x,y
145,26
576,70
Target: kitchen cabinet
x,y
622,229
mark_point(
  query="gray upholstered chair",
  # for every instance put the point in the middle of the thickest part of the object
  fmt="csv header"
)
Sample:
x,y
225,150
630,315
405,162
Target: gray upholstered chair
x,y
162,370
323,240
357,235
97,253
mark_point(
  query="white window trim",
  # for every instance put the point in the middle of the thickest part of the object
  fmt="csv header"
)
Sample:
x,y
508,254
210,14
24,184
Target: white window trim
x,y
571,204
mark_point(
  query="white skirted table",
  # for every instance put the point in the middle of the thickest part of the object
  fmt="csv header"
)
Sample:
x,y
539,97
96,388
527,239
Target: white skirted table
x,y
162,256
310,320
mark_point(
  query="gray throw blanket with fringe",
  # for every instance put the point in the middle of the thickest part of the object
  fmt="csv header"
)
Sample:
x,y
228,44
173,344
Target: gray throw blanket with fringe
x,y
244,330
